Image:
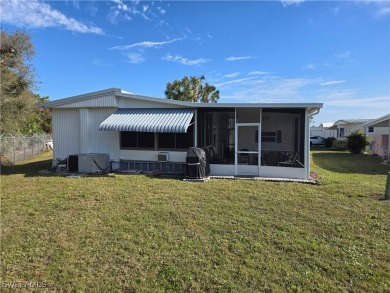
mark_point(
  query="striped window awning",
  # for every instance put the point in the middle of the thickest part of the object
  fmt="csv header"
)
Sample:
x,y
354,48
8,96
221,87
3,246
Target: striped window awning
x,y
149,120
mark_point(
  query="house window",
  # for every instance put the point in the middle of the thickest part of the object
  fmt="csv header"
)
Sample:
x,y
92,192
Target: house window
x,y
140,140
176,140
166,140
341,132
271,136
371,129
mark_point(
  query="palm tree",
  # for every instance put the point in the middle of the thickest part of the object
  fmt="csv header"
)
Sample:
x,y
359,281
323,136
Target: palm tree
x,y
191,89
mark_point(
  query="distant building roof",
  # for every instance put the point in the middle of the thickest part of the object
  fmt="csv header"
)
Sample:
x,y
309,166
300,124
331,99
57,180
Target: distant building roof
x,y
327,124
380,122
352,121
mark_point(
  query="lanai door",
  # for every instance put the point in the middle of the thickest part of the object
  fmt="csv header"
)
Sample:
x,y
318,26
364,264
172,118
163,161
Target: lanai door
x,y
247,142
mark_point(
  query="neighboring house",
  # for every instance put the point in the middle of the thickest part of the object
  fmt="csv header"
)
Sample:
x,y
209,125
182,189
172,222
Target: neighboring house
x,y
152,133
346,127
324,130
380,134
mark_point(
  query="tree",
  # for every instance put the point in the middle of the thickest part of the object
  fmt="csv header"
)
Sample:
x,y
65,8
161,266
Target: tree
x,y
356,142
40,119
17,101
191,89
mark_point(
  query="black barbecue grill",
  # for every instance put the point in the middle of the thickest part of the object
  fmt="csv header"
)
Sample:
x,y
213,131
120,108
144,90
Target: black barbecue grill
x,y
197,163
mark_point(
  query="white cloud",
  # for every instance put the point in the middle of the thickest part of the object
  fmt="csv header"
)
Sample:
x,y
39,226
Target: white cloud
x,y
377,8
231,75
162,10
343,55
239,58
269,89
383,11
332,82
185,61
257,73
91,8
76,5
101,64
145,44
286,3
310,66
126,10
241,80
349,100
36,14
135,58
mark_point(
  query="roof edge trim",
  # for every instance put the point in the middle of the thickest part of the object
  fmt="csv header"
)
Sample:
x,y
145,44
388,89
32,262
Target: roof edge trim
x,y
82,97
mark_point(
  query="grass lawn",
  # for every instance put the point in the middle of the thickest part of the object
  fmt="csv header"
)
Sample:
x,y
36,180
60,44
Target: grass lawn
x,y
141,234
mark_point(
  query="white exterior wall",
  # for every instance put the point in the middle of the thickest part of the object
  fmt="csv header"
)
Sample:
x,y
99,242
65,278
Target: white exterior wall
x,y
103,101
134,103
100,141
262,171
349,129
66,134
323,132
377,131
76,131
146,155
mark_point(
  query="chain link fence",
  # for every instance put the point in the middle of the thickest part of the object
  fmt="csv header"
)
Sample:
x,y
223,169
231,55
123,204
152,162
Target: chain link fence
x,y
18,148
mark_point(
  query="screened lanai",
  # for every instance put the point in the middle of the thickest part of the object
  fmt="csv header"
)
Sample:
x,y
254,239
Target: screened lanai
x,y
252,140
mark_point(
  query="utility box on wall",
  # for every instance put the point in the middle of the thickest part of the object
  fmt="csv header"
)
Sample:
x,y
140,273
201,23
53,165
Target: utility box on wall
x,y
88,163
163,157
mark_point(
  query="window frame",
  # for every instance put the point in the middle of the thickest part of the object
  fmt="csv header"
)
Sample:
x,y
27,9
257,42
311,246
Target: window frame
x,y
270,136
137,147
190,131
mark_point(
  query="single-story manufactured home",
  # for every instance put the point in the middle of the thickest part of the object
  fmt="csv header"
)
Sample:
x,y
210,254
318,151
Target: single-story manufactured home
x,y
345,127
380,130
255,139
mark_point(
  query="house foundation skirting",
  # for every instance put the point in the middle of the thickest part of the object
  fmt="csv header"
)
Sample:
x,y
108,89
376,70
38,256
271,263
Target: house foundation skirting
x,y
150,166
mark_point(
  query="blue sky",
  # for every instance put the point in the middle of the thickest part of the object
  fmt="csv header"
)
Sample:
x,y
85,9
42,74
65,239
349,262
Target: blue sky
x,y
331,52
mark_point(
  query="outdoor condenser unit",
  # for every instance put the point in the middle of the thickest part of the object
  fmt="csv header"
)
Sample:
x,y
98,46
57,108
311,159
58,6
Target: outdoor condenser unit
x,y
89,163
163,157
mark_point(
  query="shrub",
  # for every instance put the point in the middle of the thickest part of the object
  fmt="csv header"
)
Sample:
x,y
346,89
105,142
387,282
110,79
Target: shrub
x,y
329,141
339,145
356,143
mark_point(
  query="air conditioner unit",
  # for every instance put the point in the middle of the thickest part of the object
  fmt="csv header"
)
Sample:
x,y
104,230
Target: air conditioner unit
x,y
91,163
163,157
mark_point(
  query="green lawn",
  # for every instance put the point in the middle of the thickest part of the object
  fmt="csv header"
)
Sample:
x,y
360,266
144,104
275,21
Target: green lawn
x,y
134,233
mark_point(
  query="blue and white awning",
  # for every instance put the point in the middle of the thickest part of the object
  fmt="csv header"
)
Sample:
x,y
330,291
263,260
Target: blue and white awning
x,y
149,120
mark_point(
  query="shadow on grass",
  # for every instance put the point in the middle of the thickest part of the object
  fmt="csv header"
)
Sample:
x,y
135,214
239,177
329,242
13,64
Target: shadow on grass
x,y
30,169
342,162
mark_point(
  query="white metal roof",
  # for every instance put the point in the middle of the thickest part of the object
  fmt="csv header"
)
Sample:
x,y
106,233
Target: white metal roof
x,y
352,121
166,120
327,124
